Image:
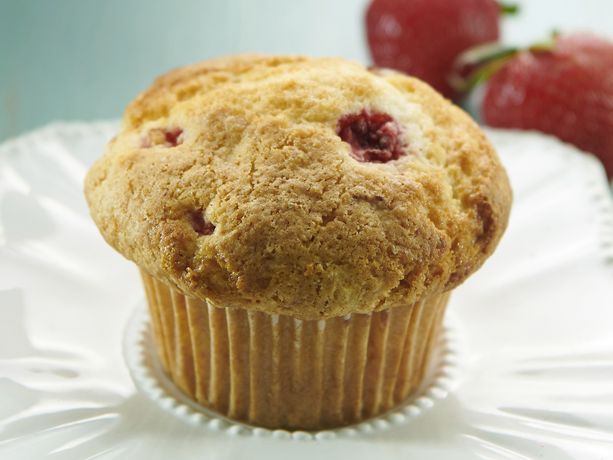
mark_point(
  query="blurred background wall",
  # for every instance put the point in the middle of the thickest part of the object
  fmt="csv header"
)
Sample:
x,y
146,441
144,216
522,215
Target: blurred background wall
x,y
85,59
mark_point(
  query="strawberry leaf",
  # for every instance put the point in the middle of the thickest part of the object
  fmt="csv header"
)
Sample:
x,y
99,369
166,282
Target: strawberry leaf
x,y
508,9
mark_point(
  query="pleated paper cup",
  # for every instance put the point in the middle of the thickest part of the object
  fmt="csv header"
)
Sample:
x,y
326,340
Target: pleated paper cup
x,y
275,371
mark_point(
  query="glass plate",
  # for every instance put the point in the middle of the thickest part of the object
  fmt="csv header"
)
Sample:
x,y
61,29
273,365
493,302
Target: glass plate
x,y
532,373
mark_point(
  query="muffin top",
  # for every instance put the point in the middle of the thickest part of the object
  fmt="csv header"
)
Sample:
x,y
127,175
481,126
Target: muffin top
x,y
312,187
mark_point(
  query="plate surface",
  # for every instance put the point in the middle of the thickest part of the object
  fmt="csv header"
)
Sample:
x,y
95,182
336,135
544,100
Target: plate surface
x,y
535,371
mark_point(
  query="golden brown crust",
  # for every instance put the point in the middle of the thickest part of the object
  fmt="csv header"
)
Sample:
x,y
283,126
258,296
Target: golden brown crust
x,y
301,227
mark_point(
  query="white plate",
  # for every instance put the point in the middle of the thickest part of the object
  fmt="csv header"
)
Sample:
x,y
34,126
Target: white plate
x,y
534,377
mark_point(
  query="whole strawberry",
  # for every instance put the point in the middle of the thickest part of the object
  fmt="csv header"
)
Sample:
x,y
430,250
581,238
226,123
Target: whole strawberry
x,y
424,37
566,91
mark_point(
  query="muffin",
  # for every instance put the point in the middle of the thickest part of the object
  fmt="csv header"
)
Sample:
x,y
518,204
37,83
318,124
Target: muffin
x,y
299,224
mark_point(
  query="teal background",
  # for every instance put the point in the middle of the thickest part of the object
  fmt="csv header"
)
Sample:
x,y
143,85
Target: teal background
x,y
85,59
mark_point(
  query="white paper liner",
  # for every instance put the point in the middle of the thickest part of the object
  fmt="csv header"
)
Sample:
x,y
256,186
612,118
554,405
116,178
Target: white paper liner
x,y
149,377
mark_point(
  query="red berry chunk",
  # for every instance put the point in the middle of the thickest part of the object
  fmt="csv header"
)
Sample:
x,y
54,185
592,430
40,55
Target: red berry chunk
x,y
167,137
172,136
374,137
200,224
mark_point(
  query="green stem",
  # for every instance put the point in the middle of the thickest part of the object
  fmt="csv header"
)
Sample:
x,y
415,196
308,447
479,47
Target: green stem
x,y
485,61
508,9
545,45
